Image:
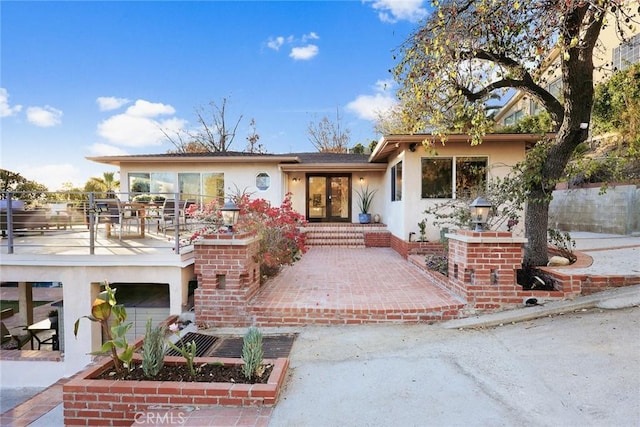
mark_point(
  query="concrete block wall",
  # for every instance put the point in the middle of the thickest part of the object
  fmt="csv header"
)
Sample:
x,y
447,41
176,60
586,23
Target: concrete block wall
x,y
616,211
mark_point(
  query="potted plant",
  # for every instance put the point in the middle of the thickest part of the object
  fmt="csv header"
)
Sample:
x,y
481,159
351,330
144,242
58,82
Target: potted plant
x,y
365,198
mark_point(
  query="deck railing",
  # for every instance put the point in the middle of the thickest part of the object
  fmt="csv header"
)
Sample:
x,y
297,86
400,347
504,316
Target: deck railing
x,y
38,219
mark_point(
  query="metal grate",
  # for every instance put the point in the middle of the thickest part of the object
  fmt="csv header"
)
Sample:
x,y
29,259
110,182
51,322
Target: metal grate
x,y
203,343
273,346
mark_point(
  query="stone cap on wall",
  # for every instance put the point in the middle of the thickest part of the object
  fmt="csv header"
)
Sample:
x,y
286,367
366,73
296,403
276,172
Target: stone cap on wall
x,y
469,236
226,239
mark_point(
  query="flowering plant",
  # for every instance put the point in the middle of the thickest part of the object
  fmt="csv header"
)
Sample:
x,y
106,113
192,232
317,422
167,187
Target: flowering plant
x,y
282,241
187,350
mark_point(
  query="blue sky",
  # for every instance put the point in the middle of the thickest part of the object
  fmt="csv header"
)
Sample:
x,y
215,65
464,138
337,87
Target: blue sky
x,y
91,78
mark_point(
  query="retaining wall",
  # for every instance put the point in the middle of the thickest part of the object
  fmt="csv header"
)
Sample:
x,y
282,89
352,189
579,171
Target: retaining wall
x,y
616,211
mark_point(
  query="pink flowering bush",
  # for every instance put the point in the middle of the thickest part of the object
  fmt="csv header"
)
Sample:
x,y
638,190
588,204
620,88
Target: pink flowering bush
x,y
282,241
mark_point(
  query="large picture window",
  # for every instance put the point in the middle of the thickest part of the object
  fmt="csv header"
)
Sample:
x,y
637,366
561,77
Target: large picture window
x,y
191,185
453,177
396,182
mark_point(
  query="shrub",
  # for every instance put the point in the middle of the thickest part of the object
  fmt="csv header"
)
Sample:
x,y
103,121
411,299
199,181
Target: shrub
x,y
439,263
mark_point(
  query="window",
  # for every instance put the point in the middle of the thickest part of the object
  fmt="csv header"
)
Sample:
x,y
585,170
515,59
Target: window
x,y
189,186
396,182
161,183
452,177
213,184
555,88
436,178
513,117
627,53
263,181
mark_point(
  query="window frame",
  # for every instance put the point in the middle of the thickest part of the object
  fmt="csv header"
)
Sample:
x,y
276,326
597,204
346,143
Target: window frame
x,y
454,164
396,182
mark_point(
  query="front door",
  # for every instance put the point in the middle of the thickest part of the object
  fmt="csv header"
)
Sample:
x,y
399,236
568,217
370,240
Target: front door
x,y
329,198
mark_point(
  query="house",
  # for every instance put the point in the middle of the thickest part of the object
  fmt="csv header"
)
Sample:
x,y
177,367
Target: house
x,y
406,176
407,179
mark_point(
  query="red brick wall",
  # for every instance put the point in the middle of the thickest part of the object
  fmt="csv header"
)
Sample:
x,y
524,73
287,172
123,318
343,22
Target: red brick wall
x,y
483,269
380,239
228,276
405,248
92,402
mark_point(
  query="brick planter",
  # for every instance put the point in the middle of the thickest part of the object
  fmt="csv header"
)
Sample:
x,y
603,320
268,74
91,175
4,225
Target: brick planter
x,y
90,401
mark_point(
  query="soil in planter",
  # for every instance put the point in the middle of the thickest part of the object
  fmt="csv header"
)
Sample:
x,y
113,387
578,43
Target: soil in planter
x,y
534,279
204,373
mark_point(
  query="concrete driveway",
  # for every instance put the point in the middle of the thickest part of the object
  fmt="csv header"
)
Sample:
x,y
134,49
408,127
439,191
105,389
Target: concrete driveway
x,y
575,369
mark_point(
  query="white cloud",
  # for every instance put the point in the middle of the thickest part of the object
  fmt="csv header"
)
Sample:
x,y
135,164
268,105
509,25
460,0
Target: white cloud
x,y
371,107
392,11
144,108
46,116
275,43
108,103
5,109
311,36
138,126
301,49
304,53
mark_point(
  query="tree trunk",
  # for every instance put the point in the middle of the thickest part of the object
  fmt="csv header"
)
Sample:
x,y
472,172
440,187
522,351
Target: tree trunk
x,y
536,223
577,92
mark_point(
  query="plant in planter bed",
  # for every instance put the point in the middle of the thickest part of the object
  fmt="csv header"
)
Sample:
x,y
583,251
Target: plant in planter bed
x,y
118,388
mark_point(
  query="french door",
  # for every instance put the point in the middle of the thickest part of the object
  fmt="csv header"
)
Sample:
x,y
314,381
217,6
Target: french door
x,y
329,198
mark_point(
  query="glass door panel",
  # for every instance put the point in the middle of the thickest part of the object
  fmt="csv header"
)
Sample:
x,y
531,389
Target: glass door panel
x,y
317,204
339,198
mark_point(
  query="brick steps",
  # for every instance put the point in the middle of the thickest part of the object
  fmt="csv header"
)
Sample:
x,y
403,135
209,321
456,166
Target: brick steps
x,y
298,316
343,235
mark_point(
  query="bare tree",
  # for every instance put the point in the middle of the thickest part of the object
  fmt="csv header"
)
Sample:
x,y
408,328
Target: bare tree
x,y
328,136
214,135
253,146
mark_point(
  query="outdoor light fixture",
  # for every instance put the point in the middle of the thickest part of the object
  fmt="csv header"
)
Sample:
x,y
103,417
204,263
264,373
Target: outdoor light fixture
x,y
479,210
230,212
295,179
361,179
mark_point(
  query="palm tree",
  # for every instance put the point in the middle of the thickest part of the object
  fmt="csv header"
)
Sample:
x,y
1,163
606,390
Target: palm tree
x,y
107,184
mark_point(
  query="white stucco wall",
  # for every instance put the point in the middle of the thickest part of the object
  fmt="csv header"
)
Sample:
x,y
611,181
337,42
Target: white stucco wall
x,y
80,280
403,217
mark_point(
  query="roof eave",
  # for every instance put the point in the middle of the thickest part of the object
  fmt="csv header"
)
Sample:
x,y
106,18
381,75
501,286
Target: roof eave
x,y
333,167
118,160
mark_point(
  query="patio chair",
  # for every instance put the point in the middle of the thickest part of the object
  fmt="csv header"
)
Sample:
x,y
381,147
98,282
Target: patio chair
x,y
107,212
127,215
16,341
167,217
